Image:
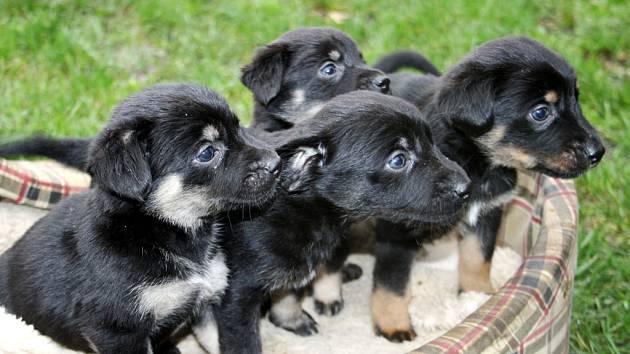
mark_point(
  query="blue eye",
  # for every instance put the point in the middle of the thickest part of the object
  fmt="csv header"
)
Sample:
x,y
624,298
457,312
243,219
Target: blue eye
x,y
205,155
397,162
328,70
540,113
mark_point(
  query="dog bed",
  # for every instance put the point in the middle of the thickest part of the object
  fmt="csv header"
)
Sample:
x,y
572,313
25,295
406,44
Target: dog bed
x,y
530,313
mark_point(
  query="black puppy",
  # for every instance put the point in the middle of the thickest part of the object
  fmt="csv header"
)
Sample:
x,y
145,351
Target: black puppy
x,y
363,154
122,267
295,75
290,78
511,104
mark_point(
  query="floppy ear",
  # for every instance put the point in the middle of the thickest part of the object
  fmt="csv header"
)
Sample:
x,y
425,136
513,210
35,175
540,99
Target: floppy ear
x,y
302,165
119,163
263,76
468,102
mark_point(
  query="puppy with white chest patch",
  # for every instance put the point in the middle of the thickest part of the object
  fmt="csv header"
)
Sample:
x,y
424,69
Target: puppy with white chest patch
x,y
511,104
294,76
122,267
364,154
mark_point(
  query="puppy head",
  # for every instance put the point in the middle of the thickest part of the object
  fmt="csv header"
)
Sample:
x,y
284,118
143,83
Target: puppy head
x,y
296,74
373,155
519,100
178,152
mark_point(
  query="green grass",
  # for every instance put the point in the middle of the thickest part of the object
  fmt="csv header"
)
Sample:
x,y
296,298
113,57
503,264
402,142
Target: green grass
x,y
65,64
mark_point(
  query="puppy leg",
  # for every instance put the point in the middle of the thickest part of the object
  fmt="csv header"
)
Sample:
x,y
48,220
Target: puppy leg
x,y
327,286
391,295
238,318
114,340
475,252
286,312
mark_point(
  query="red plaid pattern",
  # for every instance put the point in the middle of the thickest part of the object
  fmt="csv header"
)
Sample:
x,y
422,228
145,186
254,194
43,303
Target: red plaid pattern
x,y
41,184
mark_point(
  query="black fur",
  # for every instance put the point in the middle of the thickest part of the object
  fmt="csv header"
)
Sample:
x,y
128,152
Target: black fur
x,y
479,112
335,169
80,273
406,59
72,152
292,64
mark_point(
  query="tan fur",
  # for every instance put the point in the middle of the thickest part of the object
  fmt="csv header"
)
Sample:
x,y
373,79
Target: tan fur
x,y
513,156
563,162
474,269
390,312
492,138
551,96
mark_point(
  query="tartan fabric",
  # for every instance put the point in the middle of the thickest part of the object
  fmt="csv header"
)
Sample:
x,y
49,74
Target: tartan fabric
x,y
41,184
531,312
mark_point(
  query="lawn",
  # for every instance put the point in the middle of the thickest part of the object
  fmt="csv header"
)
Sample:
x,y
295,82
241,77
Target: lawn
x,y
64,65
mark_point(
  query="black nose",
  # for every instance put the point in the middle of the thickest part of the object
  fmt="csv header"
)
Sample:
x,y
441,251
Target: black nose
x,y
462,190
381,82
595,152
270,163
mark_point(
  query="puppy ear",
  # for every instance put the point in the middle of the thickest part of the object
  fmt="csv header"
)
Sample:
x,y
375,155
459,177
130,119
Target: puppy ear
x,y
263,76
119,163
302,166
468,102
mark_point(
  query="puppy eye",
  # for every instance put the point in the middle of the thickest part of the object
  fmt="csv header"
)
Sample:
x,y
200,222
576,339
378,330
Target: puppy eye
x,y
328,70
397,162
205,155
540,113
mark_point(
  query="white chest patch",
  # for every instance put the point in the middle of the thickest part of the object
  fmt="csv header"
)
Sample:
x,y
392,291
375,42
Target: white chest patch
x,y
163,299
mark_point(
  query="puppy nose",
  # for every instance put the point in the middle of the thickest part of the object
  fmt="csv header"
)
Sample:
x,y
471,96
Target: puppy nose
x,y
271,164
595,152
381,83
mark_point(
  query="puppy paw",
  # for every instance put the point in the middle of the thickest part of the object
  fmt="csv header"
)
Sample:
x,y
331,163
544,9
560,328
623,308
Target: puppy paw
x,y
303,325
328,309
351,272
395,334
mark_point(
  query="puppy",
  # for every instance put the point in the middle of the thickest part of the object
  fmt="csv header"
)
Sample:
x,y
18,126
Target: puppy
x,y
295,75
290,78
122,267
511,104
363,154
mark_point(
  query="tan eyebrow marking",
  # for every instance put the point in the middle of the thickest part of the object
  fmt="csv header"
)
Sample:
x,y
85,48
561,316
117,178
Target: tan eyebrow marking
x,y
334,55
551,96
210,133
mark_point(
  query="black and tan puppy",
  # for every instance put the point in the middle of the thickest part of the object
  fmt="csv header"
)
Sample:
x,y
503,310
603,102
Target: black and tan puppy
x,y
511,104
294,76
363,154
120,268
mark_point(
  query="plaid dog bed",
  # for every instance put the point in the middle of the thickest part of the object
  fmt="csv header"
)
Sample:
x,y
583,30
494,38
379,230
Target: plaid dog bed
x,y
531,313
41,184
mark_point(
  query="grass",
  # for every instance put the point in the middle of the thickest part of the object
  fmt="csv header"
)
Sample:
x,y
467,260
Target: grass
x,y
64,65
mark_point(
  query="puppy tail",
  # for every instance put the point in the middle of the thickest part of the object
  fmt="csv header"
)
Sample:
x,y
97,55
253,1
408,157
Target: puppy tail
x,y
406,59
72,152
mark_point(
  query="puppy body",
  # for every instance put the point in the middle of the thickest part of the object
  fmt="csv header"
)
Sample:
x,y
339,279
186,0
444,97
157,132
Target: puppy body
x,y
119,269
337,171
511,104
